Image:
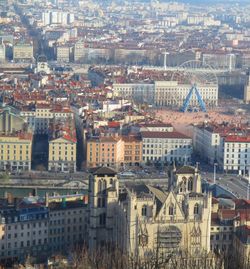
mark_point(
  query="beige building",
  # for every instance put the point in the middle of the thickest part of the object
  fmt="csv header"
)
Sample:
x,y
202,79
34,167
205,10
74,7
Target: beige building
x,y
143,218
23,52
63,53
15,151
62,154
62,146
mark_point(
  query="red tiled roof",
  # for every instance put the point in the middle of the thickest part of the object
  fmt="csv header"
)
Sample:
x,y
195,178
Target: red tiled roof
x,y
113,124
164,135
237,139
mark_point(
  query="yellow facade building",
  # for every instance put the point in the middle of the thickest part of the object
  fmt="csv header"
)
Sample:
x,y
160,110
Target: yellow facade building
x,y
62,145
15,151
62,154
23,52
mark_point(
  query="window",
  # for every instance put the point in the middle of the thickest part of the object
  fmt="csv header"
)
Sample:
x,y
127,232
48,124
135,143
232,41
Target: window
x,y
99,185
144,211
99,202
190,184
102,219
171,210
196,209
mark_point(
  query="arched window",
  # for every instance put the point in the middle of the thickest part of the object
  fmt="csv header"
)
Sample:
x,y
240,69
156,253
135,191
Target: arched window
x,y
190,184
196,209
171,210
99,185
104,185
99,202
184,184
144,211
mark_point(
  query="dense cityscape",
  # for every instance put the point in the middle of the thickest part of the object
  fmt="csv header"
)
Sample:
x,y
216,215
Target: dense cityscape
x,y
124,134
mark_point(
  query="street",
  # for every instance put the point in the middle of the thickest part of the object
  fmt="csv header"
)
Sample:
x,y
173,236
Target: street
x,y
233,183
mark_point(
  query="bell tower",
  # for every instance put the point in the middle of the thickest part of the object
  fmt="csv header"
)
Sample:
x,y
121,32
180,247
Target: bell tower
x,y
103,198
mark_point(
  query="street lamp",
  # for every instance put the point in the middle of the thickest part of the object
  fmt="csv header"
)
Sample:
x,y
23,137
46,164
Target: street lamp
x,y
215,165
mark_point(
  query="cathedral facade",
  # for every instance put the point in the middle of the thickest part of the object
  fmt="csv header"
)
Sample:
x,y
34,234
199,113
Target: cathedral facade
x,y
142,218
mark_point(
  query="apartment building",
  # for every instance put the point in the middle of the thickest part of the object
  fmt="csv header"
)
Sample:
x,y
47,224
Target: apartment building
x,y
63,53
230,231
67,225
220,60
105,150
208,143
39,117
237,154
166,147
225,144
38,227
23,52
62,146
24,230
222,227
132,150
80,53
15,151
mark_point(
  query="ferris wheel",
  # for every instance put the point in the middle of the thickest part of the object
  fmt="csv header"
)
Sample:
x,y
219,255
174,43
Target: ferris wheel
x,y
195,74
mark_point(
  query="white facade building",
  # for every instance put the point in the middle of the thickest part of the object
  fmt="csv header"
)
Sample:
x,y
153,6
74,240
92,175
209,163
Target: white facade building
x,y
39,118
228,146
166,147
237,154
141,92
167,93
208,143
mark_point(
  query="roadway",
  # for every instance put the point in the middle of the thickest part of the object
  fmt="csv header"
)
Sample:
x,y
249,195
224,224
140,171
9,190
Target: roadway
x,y
232,183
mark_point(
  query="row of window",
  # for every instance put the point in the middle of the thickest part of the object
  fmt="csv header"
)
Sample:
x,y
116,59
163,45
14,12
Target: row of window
x,y
63,221
221,237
